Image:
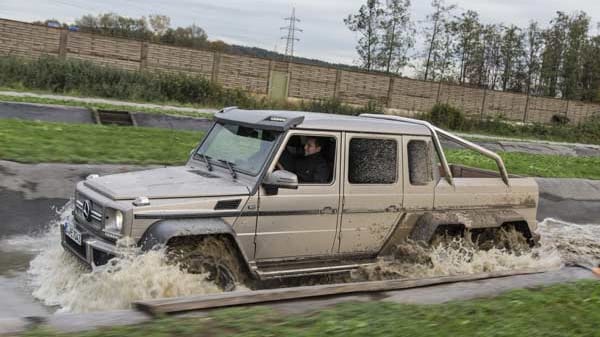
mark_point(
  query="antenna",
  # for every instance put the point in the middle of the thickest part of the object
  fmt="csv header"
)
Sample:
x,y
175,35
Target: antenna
x,y
291,34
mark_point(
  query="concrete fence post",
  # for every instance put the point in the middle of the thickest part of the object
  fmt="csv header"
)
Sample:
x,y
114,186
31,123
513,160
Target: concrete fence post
x,y
62,44
526,112
269,75
388,102
144,55
483,102
338,81
437,97
215,67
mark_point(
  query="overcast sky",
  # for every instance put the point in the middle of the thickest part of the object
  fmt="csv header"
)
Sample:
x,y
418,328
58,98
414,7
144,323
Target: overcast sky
x,y
257,23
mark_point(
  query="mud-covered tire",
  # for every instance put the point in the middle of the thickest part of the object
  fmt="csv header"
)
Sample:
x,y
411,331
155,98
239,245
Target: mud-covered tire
x,y
215,256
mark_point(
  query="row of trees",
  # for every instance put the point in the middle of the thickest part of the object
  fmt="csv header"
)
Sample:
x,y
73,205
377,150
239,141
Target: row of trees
x,y
559,60
155,28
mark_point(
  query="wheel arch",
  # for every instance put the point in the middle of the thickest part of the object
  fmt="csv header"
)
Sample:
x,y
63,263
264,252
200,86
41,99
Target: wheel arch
x,y
162,231
431,223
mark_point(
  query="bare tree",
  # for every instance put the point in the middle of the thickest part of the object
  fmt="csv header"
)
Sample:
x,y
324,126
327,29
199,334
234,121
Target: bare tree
x,y
397,36
511,50
576,39
367,23
466,29
590,80
533,48
552,55
438,21
491,40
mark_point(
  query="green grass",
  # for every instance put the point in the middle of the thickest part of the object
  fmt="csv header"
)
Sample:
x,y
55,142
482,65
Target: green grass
x,y
532,164
31,142
562,310
105,106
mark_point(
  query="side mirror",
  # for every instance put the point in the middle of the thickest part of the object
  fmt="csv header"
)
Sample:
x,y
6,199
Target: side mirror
x,y
281,179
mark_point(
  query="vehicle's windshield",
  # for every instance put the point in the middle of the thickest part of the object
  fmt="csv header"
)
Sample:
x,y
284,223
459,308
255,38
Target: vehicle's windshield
x,y
245,148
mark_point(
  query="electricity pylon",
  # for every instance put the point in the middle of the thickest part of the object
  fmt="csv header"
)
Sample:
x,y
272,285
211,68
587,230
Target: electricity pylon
x,y
291,34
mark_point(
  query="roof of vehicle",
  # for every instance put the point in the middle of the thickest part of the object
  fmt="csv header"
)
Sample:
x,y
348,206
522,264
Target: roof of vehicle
x,y
282,120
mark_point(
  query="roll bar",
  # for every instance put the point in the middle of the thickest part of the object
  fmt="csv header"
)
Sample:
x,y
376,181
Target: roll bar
x,y
436,142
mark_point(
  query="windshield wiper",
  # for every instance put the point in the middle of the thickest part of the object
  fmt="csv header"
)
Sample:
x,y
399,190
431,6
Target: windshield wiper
x,y
206,159
230,167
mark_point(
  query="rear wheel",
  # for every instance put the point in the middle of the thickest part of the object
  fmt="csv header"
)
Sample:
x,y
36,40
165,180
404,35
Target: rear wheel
x,y
509,236
215,256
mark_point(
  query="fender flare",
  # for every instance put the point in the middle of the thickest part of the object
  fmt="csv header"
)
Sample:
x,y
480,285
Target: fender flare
x,y
160,232
429,222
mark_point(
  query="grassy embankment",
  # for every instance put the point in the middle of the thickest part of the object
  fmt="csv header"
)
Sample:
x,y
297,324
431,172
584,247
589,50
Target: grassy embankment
x,y
562,310
30,141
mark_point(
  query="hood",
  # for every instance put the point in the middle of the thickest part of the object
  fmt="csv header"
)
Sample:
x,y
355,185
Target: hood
x,y
168,182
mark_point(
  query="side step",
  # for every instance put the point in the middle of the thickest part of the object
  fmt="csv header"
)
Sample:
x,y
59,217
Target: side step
x,y
298,272
115,117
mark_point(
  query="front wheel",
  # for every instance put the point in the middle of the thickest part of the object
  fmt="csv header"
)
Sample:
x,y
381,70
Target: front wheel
x,y
212,255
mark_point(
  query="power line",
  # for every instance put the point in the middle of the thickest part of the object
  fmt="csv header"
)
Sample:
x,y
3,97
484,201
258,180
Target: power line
x,y
291,34
76,5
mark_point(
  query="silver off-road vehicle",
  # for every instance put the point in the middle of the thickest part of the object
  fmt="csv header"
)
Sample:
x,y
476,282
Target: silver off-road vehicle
x,y
244,206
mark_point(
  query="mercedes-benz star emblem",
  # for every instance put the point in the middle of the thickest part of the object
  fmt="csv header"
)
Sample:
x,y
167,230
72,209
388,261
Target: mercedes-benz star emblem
x,y
87,210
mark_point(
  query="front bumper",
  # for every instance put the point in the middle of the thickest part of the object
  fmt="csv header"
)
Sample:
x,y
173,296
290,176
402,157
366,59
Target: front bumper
x,y
93,251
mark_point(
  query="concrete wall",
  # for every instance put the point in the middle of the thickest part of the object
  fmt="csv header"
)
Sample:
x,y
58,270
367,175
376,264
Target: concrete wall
x,y
305,81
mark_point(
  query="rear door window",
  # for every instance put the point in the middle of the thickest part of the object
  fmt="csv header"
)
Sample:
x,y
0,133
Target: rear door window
x,y
372,161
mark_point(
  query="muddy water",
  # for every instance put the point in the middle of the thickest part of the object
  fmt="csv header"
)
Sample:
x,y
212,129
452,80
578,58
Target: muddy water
x,y
58,281
455,256
561,244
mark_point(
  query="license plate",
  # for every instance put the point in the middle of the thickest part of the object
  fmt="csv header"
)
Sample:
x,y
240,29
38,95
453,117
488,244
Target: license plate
x,y
72,233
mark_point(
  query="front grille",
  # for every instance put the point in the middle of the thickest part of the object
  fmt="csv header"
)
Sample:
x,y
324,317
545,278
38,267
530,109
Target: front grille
x,y
96,210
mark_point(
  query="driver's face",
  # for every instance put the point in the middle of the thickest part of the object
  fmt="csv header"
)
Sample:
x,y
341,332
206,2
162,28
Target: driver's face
x,y
311,147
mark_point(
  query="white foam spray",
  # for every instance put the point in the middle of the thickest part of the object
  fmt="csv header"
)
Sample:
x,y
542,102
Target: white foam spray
x,y
561,243
57,279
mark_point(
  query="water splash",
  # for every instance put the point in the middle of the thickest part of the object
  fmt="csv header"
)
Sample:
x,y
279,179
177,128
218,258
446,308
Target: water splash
x,y
561,243
58,279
